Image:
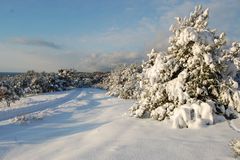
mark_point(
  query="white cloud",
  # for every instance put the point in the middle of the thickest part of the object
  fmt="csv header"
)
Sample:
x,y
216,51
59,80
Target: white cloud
x,y
104,62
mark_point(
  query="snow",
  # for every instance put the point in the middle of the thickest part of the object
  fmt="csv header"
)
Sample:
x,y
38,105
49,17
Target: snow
x,y
31,100
11,113
175,88
187,35
191,34
193,115
86,124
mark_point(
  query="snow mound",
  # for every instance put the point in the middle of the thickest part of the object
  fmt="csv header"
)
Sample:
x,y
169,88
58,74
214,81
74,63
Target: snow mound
x,y
193,116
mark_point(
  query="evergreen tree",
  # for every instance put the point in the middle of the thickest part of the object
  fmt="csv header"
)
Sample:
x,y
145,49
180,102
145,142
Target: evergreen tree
x,y
193,81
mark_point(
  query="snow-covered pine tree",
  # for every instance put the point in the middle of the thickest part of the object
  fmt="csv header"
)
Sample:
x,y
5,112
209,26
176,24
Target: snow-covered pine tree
x,y
193,81
124,81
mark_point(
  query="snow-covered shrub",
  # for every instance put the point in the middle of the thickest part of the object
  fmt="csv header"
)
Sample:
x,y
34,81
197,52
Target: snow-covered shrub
x,y
101,80
69,78
72,79
33,82
8,93
194,80
235,146
124,81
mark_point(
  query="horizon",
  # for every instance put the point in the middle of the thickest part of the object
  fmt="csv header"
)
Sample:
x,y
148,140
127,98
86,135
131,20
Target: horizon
x,y
95,36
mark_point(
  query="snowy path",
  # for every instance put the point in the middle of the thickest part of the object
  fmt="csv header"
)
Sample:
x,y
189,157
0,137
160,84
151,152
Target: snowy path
x,y
11,113
88,125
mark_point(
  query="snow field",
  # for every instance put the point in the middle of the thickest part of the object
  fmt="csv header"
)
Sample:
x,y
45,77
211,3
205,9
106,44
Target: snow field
x,y
91,125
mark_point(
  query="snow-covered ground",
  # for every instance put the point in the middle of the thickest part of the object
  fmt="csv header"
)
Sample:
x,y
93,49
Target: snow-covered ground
x,y
85,124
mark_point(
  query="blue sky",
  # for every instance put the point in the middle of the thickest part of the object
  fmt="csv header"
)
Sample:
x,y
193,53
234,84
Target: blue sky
x,y
91,35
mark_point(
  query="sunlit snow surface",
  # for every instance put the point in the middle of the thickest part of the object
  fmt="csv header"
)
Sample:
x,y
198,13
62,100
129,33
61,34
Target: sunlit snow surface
x,y
85,124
